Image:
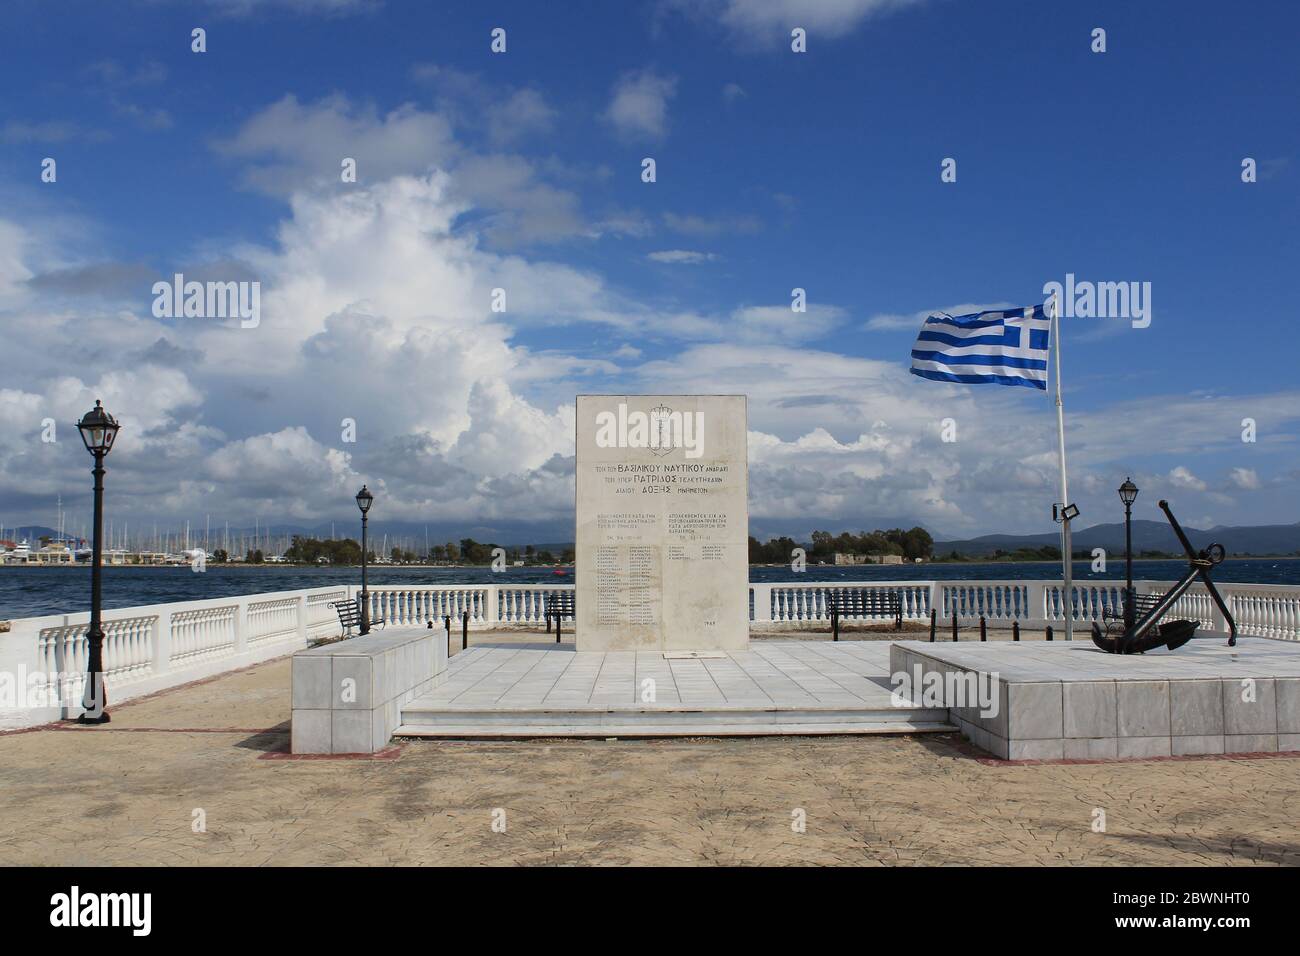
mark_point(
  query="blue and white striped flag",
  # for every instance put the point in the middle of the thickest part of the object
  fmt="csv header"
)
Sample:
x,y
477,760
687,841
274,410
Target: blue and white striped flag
x,y
999,348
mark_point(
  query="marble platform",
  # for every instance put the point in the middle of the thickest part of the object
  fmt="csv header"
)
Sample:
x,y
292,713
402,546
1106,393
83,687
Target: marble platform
x,y
1064,700
775,687
347,695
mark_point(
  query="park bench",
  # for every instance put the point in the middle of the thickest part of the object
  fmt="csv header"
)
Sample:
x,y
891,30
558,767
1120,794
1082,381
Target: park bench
x,y
1150,630
1113,617
863,602
559,605
349,613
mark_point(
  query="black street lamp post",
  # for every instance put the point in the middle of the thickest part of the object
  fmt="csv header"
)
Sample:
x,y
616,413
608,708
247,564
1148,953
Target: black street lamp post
x,y
1128,493
98,431
364,500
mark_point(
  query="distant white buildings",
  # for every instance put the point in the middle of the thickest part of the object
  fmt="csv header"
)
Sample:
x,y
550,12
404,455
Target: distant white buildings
x,y
851,559
58,553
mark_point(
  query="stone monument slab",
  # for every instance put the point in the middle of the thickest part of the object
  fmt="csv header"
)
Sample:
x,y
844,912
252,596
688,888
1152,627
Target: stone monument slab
x,y
662,523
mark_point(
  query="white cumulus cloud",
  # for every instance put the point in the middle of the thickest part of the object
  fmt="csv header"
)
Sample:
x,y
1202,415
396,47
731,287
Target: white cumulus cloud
x,y
638,106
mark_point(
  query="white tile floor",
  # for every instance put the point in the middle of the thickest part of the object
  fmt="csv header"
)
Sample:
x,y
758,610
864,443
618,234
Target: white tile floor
x,y
793,675
1080,660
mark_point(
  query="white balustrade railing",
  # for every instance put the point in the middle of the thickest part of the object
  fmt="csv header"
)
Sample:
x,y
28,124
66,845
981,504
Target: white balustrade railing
x,y
320,618
992,600
203,633
489,605
780,605
274,620
1263,610
62,653
149,648
527,603
403,606
1260,610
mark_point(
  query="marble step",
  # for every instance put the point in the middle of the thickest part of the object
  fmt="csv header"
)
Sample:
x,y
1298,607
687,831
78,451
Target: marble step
x,y
417,722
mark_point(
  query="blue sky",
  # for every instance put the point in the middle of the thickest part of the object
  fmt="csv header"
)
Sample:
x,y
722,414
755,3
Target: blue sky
x,y
521,170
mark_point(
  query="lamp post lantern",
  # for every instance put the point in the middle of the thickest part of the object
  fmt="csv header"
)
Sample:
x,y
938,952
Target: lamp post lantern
x,y
98,431
364,501
1128,493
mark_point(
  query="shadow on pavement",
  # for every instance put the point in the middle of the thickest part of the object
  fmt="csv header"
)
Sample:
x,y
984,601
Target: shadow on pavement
x,y
272,740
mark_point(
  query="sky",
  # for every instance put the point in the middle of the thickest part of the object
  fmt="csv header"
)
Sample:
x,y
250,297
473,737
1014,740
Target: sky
x,y
522,171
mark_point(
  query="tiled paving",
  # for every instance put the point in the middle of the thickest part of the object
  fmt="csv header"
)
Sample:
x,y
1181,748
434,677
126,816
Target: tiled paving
x,y
1080,660
788,675
1073,701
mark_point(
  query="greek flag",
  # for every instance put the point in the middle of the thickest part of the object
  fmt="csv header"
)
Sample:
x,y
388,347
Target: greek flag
x,y
1000,348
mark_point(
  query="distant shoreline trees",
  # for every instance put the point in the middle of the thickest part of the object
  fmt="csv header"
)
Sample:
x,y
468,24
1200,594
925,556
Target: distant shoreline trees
x,y
329,551
909,545
345,551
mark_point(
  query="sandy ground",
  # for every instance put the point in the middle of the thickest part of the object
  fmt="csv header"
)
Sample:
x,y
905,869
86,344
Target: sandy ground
x,y
136,791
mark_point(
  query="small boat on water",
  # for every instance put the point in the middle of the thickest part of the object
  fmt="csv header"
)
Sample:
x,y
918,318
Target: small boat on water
x,y
559,572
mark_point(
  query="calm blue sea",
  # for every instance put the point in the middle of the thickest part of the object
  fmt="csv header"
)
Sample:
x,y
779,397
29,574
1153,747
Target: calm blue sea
x,y
29,592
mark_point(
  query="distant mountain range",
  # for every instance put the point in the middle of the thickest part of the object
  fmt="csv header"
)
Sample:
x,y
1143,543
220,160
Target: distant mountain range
x,y
1147,536
33,533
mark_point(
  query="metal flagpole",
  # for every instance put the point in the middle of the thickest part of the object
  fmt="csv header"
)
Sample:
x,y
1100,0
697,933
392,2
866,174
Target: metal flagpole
x,y
1067,564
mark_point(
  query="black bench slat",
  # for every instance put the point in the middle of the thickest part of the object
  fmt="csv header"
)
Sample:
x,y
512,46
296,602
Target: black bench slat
x,y
560,601
349,613
860,602
875,599
1142,603
559,605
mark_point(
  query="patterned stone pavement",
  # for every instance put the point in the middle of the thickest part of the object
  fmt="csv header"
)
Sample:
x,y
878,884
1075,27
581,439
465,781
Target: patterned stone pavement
x,y
132,792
